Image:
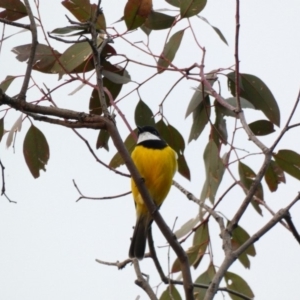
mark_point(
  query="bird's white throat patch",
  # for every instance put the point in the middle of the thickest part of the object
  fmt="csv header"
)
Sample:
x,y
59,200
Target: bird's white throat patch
x,y
147,136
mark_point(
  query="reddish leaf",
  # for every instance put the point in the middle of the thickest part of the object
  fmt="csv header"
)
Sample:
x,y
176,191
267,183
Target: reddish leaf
x,y
274,175
36,151
136,12
14,10
247,177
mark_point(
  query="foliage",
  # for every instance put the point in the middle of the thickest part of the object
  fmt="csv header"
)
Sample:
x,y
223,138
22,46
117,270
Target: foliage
x,y
210,109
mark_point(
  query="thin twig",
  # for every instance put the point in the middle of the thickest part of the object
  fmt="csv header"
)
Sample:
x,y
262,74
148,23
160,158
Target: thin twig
x,y
97,198
34,42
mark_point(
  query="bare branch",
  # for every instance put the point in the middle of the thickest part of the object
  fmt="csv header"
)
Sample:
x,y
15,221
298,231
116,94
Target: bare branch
x,y
16,24
34,42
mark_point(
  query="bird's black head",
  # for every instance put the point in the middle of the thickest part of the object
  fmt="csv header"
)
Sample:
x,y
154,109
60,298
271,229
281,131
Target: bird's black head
x,y
147,128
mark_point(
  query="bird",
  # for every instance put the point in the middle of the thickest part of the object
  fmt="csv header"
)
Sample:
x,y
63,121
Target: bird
x,y
156,162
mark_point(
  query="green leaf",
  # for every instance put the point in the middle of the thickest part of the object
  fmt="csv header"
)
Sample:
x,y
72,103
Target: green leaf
x,y
14,10
95,105
274,175
159,21
189,8
247,176
175,3
6,83
217,30
198,95
262,127
183,168
186,227
116,78
1,128
136,13
289,162
63,31
143,115
201,115
72,58
255,90
201,238
239,237
214,168
171,135
169,51
102,141
219,129
36,151
238,284
129,143
205,278
170,293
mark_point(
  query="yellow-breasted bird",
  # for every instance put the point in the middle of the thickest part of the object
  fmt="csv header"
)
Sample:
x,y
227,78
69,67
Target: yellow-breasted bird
x,y
156,162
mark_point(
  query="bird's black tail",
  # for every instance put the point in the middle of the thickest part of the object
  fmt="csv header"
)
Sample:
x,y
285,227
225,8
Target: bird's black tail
x,y
138,242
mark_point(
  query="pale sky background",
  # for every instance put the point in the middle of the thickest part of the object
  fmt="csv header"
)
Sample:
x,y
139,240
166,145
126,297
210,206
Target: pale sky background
x,y
49,243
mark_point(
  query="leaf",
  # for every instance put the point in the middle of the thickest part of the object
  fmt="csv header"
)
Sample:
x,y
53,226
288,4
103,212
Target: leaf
x,y
214,169
289,162
201,237
189,8
1,128
72,58
63,31
159,21
169,51
116,78
83,11
217,30
183,168
136,13
6,83
143,115
262,127
198,95
219,129
129,143
17,126
175,140
205,278
175,3
14,10
194,254
36,151
255,91
201,116
170,293
44,59
95,105
186,227
247,176
239,237
102,140
238,284
274,175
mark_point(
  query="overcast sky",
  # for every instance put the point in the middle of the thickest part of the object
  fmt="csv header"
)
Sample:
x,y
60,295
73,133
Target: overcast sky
x,y
49,242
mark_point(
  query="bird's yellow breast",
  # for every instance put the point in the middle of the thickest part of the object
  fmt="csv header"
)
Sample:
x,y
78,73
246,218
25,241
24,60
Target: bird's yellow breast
x,y
157,167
